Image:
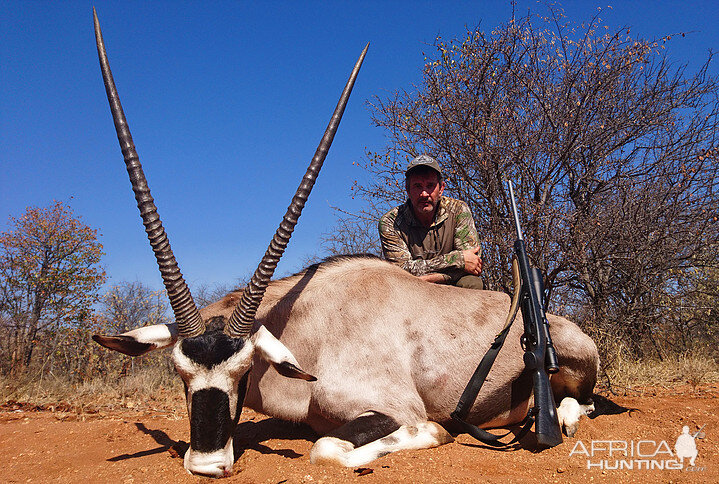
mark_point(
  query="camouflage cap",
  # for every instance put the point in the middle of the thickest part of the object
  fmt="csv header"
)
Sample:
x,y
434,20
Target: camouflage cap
x,y
423,160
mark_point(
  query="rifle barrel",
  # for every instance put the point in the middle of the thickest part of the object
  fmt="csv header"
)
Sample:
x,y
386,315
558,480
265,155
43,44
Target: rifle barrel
x,y
514,211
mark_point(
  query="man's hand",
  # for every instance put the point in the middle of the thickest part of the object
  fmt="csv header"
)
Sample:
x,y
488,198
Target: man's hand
x,y
472,261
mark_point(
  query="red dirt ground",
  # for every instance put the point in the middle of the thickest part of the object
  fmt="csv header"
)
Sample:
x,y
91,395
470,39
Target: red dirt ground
x,y
132,445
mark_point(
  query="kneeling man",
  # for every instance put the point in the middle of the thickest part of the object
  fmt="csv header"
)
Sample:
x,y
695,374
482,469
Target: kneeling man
x,y
432,236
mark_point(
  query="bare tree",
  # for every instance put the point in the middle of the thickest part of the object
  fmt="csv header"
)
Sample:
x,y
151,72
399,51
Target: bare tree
x,y
126,306
692,312
129,305
353,234
612,148
205,294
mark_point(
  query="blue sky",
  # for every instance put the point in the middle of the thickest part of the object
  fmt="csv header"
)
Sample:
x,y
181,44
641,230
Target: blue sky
x,y
226,102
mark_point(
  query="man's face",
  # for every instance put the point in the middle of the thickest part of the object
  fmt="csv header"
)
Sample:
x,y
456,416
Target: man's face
x,y
424,191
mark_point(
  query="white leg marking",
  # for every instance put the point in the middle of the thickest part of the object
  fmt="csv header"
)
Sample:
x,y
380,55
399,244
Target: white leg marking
x,y
330,450
568,414
424,435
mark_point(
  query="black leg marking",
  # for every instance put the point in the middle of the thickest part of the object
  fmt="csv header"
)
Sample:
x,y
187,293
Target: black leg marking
x,y
365,429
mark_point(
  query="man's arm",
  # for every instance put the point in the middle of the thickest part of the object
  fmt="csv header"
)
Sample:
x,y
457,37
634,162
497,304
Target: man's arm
x,y
437,278
395,250
467,240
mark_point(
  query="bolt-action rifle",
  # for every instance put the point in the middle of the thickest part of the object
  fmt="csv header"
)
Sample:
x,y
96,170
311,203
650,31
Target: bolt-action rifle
x,y
539,356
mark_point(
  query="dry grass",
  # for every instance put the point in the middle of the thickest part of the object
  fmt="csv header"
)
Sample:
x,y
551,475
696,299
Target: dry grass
x,y
694,369
621,369
150,388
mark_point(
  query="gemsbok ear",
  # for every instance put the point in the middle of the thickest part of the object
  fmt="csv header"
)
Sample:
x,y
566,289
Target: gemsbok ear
x,y
141,340
274,352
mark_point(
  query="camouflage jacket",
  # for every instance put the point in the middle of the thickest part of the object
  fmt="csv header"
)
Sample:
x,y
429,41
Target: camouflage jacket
x,y
421,250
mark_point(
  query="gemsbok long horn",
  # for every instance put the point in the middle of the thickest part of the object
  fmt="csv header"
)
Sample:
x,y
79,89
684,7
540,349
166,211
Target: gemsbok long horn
x,y
242,319
187,316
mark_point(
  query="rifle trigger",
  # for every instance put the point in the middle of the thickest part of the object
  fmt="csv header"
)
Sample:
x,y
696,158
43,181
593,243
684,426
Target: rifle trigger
x,y
523,342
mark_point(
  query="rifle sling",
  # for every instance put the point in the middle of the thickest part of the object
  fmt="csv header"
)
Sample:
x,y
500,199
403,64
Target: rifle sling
x,y
492,439
469,395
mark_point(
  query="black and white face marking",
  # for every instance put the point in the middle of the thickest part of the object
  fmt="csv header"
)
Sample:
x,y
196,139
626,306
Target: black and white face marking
x,y
214,368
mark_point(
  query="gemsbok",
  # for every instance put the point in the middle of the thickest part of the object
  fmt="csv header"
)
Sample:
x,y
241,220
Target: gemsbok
x,y
379,358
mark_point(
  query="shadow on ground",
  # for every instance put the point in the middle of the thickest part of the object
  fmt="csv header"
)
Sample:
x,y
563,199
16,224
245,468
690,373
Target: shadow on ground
x,y
158,435
251,435
604,406
248,435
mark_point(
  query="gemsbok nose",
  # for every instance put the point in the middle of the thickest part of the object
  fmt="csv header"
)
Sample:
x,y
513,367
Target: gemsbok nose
x,y
213,464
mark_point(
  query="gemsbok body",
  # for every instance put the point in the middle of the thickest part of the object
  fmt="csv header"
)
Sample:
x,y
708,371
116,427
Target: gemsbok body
x,y
379,358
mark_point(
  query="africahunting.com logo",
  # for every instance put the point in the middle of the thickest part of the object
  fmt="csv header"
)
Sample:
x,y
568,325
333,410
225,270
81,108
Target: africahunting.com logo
x,y
642,454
